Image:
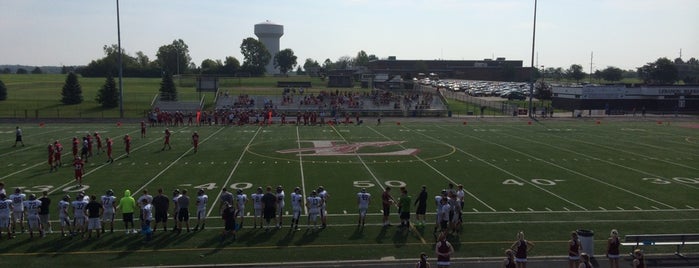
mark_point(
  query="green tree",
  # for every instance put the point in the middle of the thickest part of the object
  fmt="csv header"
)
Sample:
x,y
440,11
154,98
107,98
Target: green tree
x,y
256,56
612,73
362,59
3,91
299,71
72,91
168,92
661,72
285,60
37,70
21,71
108,95
230,66
575,72
6,70
310,63
209,66
174,58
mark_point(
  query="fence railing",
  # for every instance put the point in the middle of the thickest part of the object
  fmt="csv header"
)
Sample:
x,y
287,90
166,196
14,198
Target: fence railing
x,y
69,113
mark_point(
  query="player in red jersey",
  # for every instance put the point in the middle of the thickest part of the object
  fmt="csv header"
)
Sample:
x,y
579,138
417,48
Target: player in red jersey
x,y
110,143
195,141
167,140
143,129
57,151
76,143
127,144
51,155
98,140
89,145
79,167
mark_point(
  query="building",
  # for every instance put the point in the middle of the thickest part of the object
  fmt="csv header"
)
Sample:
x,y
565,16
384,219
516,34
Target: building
x,y
487,69
269,34
619,99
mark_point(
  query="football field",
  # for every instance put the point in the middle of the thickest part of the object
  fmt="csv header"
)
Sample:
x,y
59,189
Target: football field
x,y
545,178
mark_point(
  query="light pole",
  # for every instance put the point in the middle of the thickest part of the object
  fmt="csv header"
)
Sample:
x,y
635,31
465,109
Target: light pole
x,y
121,71
531,71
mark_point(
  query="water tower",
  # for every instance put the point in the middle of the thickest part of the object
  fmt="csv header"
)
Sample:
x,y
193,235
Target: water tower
x,y
269,34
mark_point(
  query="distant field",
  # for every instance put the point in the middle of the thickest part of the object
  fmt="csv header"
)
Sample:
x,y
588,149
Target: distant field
x,y
547,179
38,96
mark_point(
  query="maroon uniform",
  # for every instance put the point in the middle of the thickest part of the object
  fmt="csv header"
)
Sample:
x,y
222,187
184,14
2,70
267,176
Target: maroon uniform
x,y
51,155
127,144
195,141
76,143
110,143
98,140
79,167
143,129
58,148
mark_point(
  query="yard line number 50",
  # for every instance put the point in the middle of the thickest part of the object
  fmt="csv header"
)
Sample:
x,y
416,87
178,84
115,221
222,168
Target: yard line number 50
x,y
368,184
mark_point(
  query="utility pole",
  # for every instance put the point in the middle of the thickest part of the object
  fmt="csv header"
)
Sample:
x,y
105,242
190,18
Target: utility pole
x,y
121,68
531,71
591,54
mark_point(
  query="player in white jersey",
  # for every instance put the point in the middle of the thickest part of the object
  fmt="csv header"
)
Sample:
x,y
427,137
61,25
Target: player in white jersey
x,y
280,205
5,211
108,210
314,204
175,208
63,215
438,203
460,194
18,199
363,200
323,194
32,207
241,199
139,201
257,206
202,199
79,217
296,204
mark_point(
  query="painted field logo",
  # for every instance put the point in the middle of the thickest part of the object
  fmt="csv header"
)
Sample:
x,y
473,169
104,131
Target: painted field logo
x,y
337,148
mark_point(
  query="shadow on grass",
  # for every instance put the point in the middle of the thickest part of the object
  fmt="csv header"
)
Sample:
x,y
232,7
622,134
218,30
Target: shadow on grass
x,y
357,234
400,237
308,237
287,238
382,235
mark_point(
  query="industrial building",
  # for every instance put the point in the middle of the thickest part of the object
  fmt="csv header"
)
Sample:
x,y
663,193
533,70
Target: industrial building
x,y
622,99
499,69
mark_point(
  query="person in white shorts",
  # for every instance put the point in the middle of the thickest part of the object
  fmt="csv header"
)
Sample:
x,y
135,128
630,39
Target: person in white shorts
x,y
33,220
363,200
18,199
314,204
5,211
108,210
94,213
63,215
257,206
296,204
79,218
202,199
241,199
280,205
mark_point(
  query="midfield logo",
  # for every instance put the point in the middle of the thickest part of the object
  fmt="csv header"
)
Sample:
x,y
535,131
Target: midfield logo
x,y
338,148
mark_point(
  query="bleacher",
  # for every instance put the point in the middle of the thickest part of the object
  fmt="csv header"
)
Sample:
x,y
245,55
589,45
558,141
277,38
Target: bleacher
x,y
173,106
294,84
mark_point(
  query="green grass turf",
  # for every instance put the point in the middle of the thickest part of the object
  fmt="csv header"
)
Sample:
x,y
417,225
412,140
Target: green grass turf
x,y
39,96
546,179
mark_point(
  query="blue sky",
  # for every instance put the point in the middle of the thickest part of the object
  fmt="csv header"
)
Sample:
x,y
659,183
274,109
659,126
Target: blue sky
x,y
622,33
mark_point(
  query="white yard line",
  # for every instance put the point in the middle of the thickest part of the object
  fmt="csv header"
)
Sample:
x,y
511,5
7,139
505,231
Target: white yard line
x,y
572,171
103,165
595,158
67,150
439,172
503,170
303,177
376,179
174,162
235,167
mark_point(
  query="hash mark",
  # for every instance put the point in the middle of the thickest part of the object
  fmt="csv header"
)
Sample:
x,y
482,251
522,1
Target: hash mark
x,y
475,210
566,209
656,208
637,208
549,209
689,206
530,209
620,208
511,209
602,208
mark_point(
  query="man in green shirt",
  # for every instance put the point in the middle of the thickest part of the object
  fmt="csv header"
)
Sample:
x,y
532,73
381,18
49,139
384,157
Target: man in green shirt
x,y
127,204
404,208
